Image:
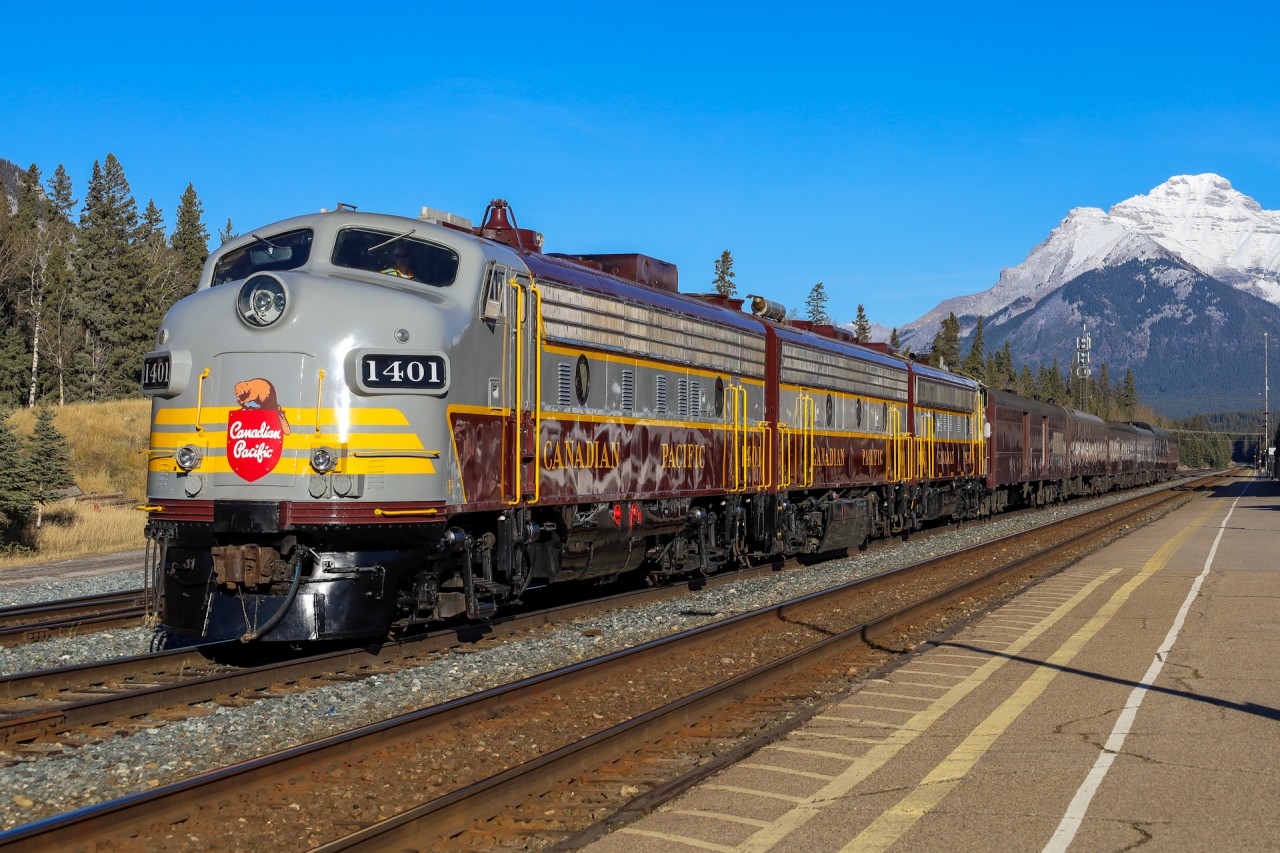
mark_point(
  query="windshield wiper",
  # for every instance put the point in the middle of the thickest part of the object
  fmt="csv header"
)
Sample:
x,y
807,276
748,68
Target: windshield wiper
x,y
389,242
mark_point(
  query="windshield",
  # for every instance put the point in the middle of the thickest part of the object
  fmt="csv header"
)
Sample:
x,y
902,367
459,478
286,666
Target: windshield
x,y
398,255
286,251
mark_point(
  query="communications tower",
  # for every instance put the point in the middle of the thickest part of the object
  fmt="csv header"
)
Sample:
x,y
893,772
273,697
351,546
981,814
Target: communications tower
x,y
1083,371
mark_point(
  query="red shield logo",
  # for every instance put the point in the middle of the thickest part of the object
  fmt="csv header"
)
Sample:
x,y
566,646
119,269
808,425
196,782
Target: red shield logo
x,y
255,442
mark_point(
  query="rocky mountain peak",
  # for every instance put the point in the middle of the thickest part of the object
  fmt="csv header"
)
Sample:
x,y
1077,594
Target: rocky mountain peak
x,y
1196,220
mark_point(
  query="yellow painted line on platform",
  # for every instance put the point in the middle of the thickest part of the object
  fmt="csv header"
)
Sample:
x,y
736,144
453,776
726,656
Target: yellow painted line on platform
x,y
895,696
857,721
768,795
821,753
944,778
885,750
730,818
678,839
787,771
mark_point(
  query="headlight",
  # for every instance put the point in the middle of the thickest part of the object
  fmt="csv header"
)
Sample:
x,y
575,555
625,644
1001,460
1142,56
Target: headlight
x,y
323,459
261,300
188,457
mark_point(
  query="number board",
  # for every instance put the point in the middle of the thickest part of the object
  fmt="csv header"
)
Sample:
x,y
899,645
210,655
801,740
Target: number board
x,y
408,372
155,373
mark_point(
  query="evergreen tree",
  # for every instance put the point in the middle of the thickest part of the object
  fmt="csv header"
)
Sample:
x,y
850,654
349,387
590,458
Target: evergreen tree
x,y
1058,387
49,463
191,242
1127,397
1102,395
946,344
1045,384
1077,390
227,234
1001,373
816,304
975,361
894,343
28,213
15,479
159,270
12,336
111,291
1027,383
724,272
861,325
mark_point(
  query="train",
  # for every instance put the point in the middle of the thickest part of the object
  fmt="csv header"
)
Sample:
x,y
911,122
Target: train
x,y
363,423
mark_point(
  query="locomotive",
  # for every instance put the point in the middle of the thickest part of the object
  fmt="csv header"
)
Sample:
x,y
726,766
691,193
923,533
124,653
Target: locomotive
x,y
363,422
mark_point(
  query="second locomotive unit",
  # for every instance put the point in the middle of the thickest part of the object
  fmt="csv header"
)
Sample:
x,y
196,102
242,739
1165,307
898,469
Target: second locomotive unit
x,y
363,422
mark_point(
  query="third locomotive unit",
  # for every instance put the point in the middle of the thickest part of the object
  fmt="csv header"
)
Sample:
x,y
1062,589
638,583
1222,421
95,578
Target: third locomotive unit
x,y
361,422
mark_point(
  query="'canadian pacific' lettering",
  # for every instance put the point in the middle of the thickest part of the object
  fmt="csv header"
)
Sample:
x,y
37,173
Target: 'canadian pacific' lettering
x,y
683,456
828,457
596,454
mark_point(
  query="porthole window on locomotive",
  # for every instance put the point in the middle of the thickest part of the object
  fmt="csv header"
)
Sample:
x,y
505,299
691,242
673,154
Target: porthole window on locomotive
x,y
397,255
857,409
582,380
831,411
719,397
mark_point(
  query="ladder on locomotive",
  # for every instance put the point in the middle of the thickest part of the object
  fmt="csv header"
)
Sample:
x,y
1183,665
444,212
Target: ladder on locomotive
x,y
521,474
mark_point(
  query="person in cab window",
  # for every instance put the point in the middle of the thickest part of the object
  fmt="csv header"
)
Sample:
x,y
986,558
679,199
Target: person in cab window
x,y
401,262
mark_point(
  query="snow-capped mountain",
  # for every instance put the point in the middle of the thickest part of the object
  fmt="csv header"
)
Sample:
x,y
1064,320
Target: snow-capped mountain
x,y
1197,219
1179,284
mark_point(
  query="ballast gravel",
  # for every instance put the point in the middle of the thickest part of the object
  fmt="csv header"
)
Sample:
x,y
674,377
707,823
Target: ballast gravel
x,y
77,777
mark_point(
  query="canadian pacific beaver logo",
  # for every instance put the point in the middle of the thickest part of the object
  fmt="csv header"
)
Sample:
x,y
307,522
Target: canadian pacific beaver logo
x,y
260,394
255,433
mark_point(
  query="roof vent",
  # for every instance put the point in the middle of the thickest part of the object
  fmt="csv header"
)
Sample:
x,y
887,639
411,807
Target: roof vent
x,y
440,217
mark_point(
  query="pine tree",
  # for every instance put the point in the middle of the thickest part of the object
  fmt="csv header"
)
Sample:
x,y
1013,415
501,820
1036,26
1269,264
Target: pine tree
x,y
29,211
946,344
861,325
160,273
975,361
1102,395
226,235
190,242
895,343
724,272
111,294
1000,370
1058,388
1127,397
1027,383
15,479
816,304
49,463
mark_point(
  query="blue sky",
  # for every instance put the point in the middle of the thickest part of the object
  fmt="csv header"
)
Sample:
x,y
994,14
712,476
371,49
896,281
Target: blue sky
x,y
900,156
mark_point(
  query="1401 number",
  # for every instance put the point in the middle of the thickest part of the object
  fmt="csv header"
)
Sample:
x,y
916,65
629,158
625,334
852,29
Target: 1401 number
x,y
418,372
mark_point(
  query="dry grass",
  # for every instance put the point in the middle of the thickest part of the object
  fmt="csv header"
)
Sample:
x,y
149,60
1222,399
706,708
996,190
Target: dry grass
x,y
108,444
74,528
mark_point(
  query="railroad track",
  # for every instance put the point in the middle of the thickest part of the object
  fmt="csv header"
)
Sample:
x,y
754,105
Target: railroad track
x,y
513,763
29,623
81,704
43,711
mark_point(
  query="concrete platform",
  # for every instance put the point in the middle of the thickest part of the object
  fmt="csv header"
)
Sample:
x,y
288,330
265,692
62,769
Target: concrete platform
x,y
1133,700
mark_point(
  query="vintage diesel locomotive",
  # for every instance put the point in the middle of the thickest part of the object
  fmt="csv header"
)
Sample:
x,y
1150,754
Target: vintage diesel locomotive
x,y
362,422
